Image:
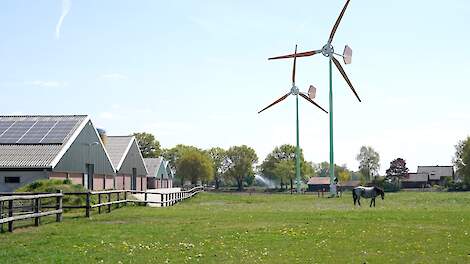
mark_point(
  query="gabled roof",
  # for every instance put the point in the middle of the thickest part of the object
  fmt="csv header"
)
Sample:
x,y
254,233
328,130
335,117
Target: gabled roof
x,y
35,152
153,165
318,180
436,172
351,183
117,147
416,177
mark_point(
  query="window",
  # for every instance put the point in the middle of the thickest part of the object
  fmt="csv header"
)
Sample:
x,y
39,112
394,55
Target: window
x,y
12,179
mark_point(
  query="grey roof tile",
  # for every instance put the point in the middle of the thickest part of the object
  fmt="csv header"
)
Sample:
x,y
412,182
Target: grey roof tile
x,y
116,147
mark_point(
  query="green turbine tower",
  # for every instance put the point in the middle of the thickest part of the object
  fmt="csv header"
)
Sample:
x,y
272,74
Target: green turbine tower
x,y
295,91
328,51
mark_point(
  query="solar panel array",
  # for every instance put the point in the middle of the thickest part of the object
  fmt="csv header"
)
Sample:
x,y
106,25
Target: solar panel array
x,y
35,132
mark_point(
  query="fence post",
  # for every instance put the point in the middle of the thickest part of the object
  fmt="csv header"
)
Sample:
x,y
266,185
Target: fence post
x,y
1,216
119,199
109,200
161,200
37,204
87,209
145,198
58,217
10,214
125,198
99,202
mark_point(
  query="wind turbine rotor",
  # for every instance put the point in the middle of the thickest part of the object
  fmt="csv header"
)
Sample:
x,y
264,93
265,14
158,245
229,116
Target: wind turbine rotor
x,y
275,102
298,55
311,101
335,27
328,50
341,70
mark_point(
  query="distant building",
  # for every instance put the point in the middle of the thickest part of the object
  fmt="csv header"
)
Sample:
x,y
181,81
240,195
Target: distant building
x,y
437,174
349,185
52,147
415,180
159,173
124,152
318,184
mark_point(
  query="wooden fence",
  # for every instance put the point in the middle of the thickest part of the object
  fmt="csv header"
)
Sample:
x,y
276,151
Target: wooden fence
x,y
100,200
11,213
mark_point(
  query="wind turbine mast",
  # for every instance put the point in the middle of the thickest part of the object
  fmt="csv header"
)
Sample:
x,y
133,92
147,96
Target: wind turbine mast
x,y
296,92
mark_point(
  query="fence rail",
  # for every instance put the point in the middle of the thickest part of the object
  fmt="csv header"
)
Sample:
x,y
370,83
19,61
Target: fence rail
x,y
10,213
105,200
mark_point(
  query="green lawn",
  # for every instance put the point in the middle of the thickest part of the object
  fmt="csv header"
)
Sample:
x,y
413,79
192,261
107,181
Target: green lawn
x,y
239,228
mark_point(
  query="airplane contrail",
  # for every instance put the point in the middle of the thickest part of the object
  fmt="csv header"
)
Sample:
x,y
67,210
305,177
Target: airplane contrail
x,y
66,5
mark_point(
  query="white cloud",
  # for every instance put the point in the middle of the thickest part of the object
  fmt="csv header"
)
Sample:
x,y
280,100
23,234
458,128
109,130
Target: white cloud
x,y
66,5
107,115
114,76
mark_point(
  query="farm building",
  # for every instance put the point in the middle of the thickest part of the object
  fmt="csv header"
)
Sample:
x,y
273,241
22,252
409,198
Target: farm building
x,y
52,147
159,173
319,184
415,180
349,185
437,174
125,155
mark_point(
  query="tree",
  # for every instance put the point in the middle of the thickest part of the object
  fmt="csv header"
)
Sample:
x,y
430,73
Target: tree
x,y
323,170
368,162
397,170
283,153
344,176
285,171
172,155
240,160
219,164
194,165
462,160
148,145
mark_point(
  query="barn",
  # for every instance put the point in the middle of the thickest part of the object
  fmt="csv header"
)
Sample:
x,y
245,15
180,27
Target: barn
x,y
159,173
34,147
437,174
319,184
415,180
125,155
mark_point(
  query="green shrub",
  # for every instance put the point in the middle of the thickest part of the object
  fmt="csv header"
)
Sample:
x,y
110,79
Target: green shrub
x,y
52,186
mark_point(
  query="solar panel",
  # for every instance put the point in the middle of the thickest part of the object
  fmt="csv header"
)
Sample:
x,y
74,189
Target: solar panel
x,y
15,132
37,132
4,125
59,132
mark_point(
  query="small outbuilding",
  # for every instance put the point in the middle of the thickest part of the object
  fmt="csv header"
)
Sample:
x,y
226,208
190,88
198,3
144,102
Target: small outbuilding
x,y
437,174
128,162
159,173
319,184
415,180
34,147
349,185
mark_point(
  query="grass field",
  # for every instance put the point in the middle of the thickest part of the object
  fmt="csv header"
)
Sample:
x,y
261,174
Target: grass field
x,y
239,228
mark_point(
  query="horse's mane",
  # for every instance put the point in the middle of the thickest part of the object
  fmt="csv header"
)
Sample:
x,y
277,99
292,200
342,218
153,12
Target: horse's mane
x,y
379,190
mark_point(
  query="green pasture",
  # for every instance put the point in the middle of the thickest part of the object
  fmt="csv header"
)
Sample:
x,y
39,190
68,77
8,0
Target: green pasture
x,y
407,227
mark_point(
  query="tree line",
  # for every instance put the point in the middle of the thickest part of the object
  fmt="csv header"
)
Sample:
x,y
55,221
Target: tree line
x,y
235,166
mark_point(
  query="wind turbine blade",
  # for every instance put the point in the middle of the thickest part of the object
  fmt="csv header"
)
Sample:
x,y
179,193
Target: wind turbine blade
x,y
313,102
275,102
301,54
333,31
340,68
295,62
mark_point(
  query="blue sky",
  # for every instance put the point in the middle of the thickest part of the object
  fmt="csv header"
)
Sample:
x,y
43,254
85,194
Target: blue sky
x,y
196,72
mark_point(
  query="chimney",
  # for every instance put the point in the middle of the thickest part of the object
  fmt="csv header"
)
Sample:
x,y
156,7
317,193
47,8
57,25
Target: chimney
x,y
103,135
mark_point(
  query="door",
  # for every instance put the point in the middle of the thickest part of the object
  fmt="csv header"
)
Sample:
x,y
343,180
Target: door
x,y
90,169
134,179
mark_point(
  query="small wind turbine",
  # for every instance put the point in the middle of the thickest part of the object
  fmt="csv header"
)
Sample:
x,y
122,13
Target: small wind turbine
x,y
328,51
295,91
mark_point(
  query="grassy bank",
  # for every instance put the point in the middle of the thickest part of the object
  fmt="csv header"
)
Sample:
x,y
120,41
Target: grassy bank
x,y
259,228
